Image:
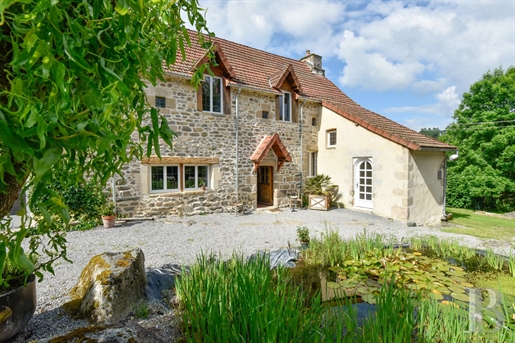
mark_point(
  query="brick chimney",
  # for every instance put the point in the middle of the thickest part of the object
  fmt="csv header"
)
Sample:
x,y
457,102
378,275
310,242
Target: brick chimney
x,y
314,62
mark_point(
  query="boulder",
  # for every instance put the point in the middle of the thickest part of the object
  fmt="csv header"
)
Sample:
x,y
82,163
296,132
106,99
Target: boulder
x,y
109,287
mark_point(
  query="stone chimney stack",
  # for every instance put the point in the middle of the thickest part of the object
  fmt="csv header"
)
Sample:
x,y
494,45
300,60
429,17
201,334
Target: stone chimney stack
x,y
314,62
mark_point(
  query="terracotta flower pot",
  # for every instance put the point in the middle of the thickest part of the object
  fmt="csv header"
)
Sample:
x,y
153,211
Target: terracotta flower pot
x,y
109,221
16,309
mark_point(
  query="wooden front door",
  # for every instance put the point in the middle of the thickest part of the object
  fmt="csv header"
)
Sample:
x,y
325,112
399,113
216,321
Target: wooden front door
x,y
265,186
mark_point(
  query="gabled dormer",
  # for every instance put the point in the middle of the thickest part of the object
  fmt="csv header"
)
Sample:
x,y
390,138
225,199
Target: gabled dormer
x,y
214,94
287,84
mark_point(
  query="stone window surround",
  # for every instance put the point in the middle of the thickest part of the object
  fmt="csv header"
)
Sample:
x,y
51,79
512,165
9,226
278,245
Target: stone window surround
x,y
211,94
329,136
160,101
214,174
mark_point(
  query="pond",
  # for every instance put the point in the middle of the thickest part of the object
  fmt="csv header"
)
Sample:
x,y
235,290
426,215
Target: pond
x,y
443,271
364,289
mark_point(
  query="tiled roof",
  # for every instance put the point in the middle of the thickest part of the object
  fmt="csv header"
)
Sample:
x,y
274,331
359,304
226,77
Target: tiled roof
x,y
253,68
271,142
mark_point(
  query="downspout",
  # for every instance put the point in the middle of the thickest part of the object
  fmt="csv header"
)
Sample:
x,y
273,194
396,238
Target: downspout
x,y
301,149
113,185
444,211
237,141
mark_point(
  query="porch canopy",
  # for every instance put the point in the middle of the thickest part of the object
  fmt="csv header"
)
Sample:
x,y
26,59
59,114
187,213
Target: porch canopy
x,y
271,142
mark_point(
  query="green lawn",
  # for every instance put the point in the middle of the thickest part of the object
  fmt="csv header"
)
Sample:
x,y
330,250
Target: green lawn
x,y
483,226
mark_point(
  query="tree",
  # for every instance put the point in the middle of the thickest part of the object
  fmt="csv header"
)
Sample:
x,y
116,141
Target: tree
x,y
484,131
72,100
434,132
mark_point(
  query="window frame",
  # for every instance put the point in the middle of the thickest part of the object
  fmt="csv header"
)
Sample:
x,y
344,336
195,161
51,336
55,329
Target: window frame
x,y
196,186
313,164
209,79
156,99
329,144
282,107
165,177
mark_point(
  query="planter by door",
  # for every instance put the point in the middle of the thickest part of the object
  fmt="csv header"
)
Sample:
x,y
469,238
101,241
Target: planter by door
x,y
109,221
319,202
16,309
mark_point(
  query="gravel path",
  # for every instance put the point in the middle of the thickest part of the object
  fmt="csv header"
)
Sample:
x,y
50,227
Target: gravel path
x,y
179,240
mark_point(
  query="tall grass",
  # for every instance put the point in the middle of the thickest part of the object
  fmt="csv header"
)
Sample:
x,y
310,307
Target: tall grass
x,y
331,249
511,262
243,301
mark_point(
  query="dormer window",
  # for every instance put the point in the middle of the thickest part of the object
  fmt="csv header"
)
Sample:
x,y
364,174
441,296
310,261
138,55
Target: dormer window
x,y
285,106
212,94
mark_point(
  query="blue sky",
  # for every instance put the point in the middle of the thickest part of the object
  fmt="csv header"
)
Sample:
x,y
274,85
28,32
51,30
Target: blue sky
x,y
410,61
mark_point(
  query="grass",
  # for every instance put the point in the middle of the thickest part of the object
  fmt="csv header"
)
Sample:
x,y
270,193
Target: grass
x,y
483,226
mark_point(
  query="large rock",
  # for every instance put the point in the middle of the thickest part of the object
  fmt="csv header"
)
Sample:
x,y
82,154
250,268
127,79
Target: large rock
x,y
109,287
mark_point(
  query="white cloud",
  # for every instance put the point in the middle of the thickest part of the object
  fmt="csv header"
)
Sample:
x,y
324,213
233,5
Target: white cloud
x,y
454,43
280,27
441,111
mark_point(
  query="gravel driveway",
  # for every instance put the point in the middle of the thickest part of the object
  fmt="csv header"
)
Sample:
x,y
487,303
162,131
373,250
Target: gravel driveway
x,y
179,240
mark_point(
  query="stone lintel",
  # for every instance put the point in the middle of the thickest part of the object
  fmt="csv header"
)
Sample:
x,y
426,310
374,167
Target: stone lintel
x,y
179,160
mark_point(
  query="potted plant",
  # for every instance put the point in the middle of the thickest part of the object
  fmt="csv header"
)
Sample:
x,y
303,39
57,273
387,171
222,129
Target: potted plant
x,y
303,236
108,212
318,197
18,268
202,184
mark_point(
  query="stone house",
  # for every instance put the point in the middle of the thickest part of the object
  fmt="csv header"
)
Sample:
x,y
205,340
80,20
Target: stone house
x,y
261,124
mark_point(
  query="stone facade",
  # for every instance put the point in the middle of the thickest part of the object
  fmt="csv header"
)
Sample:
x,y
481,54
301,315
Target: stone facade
x,y
205,135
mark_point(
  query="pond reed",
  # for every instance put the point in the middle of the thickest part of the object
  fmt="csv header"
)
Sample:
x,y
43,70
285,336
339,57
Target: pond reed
x,y
243,300
511,262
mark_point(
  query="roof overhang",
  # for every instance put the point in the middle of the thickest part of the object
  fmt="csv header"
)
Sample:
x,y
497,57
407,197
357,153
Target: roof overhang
x,y
271,142
221,60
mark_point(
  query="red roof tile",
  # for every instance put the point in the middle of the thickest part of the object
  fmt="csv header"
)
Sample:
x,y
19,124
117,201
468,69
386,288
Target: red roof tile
x,y
271,142
259,69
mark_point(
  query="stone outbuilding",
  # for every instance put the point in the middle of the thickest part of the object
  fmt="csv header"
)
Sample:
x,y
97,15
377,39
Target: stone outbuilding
x,y
260,125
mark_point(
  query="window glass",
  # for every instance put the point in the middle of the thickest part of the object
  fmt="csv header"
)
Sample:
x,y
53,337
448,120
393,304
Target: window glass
x,y
217,95
331,138
287,107
212,94
206,94
189,177
160,102
172,177
202,175
313,157
157,178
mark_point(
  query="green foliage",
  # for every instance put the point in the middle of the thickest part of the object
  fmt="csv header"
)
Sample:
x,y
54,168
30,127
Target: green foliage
x,y
431,132
302,234
243,301
72,100
84,204
484,130
316,184
108,209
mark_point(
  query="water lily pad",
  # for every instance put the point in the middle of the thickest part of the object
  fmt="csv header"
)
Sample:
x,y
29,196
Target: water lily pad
x,y
348,283
460,296
436,296
443,290
333,285
369,298
467,285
